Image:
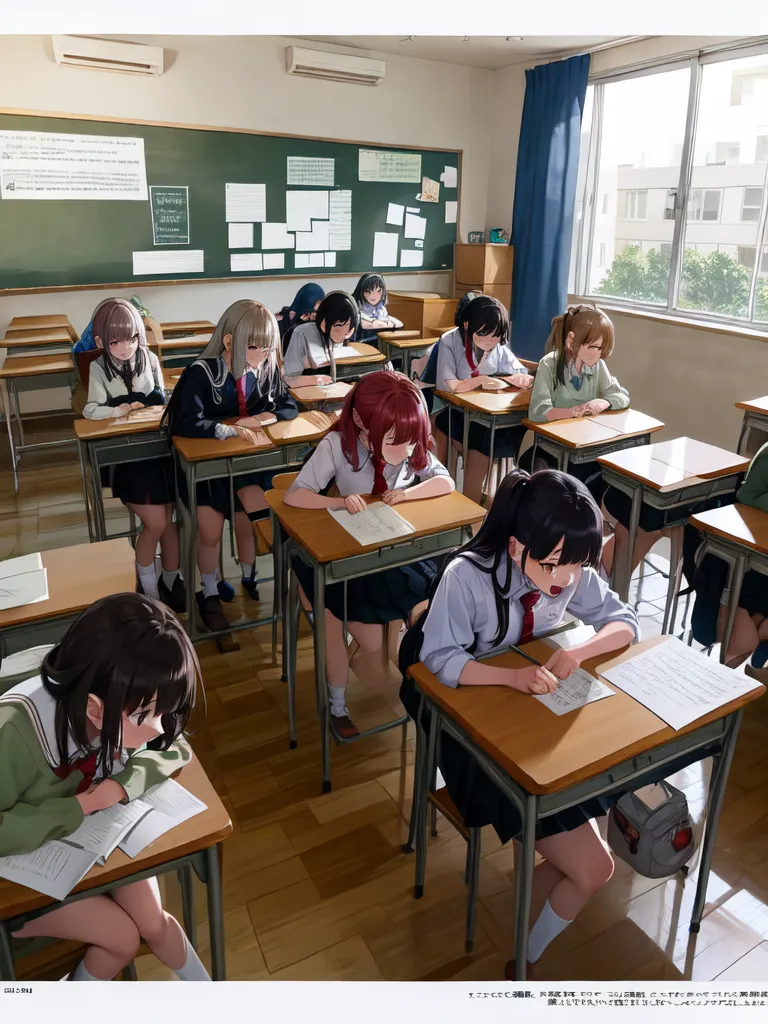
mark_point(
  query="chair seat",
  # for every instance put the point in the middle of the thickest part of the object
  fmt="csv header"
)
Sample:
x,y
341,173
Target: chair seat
x,y
442,801
263,531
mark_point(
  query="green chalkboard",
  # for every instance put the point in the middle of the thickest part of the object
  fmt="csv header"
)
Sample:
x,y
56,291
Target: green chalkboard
x,y
61,243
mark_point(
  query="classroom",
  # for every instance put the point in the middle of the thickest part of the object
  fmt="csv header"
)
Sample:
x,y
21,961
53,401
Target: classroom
x,y
268,640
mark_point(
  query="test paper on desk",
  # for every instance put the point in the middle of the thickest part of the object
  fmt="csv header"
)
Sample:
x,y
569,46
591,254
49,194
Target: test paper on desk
x,y
579,689
678,684
54,868
376,525
170,804
23,581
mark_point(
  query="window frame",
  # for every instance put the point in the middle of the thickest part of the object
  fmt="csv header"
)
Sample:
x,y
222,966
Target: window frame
x,y
704,190
695,62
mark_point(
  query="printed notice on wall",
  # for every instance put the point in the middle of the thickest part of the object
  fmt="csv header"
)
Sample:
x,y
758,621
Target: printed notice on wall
x,y
389,165
170,214
49,165
341,220
183,261
310,170
246,202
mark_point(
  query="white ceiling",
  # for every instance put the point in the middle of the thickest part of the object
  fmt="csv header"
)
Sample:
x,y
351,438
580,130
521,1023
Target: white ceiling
x,y
490,52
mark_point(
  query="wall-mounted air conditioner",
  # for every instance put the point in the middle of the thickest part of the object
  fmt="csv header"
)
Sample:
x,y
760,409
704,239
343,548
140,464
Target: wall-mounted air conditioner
x,y
107,55
335,67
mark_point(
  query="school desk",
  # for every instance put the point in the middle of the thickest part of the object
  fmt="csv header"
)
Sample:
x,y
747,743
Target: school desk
x,y
28,368
331,396
202,459
350,367
545,763
180,352
77,576
104,443
47,340
755,418
404,347
22,325
493,409
194,845
441,525
665,476
180,328
588,437
739,535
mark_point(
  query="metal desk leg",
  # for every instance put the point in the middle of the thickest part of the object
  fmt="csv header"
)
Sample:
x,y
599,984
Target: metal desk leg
x,y
735,580
489,474
428,768
190,553
9,425
14,393
186,881
86,496
406,367
7,968
99,515
744,434
524,885
418,781
290,641
625,571
464,450
717,784
675,568
215,913
321,681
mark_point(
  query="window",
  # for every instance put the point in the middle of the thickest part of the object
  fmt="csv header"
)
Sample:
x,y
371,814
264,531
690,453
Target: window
x,y
751,204
702,255
704,204
635,205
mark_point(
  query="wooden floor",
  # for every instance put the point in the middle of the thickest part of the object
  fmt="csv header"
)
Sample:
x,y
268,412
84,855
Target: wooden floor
x,y
316,887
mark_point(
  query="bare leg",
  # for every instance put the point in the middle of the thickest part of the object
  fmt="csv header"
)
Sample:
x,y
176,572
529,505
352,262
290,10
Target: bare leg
x,y
111,933
441,440
253,500
643,544
585,863
155,520
475,471
744,638
169,542
209,526
161,932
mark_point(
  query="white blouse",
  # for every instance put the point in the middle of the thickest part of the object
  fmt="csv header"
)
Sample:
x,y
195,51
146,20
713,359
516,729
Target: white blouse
x,y
100,390
452,363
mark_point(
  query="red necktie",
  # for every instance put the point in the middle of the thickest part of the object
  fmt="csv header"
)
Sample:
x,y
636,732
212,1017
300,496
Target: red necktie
x,y
86,765
470,357
242,405
528,601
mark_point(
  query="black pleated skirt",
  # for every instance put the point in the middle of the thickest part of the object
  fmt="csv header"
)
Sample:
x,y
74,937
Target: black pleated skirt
x,y
150,482
589,473
506,441
215,493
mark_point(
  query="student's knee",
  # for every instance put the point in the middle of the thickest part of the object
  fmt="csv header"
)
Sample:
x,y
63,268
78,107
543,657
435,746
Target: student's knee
x,y
155,929
592,874
124,940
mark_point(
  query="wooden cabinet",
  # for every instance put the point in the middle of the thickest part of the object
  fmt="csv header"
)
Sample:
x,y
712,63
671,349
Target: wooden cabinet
x,y
421,311
485,268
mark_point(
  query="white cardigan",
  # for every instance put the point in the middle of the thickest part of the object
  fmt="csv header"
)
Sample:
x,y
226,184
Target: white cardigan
x,y
100,390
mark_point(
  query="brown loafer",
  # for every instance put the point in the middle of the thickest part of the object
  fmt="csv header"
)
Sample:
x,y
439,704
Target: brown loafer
x,y
344,727
211,612
176,597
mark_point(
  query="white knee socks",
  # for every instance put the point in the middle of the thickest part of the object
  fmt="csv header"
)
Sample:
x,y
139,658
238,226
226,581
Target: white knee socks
x,y
169,577
193,969
210,584
80,973
148,579
547,928
338,700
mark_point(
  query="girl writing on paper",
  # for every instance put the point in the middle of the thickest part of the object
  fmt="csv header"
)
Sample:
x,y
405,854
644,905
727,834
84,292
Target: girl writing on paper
x,y
314,345
238,378
123,380
99,726
532,561
380,447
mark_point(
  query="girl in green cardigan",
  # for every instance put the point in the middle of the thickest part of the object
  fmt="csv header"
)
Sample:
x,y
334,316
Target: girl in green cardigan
x,y
99,726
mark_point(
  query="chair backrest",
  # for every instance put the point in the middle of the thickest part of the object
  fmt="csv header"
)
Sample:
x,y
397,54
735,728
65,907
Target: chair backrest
x,y
84,360
21,666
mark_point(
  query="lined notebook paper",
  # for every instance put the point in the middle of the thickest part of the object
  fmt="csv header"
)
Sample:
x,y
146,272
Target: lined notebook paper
x,y
376,525
579,689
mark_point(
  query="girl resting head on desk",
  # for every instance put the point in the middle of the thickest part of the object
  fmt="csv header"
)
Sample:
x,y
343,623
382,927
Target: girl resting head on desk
x,y
99,726
312,345
532,561
238,377
379,447
123,381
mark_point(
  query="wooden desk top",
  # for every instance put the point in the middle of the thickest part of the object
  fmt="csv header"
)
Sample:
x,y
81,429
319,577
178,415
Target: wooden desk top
x,y
320,534
669,464
402,338
19,325
743,524
307,426
319,396
366,354
204,830
588,430
203,326
46,336
37,365
545,752
195,341
93,430
78,576
755,405
497,402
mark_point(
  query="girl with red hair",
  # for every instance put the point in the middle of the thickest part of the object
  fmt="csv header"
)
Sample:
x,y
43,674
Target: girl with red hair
x,y
379,447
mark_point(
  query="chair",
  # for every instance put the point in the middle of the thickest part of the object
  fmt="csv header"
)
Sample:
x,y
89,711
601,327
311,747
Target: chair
x,y
22,665
441,801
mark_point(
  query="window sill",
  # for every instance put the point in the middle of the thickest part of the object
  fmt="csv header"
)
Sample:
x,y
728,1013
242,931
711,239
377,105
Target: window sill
x,y
678,320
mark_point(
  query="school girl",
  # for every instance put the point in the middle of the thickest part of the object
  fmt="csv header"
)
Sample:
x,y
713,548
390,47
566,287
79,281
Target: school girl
x,y
532,561
312,344
370,294
237,377
301,310
573,380
476,355
99,726
379,446
124,378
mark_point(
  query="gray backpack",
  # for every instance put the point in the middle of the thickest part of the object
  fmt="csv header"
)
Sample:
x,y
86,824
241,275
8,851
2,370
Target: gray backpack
x,y
652,830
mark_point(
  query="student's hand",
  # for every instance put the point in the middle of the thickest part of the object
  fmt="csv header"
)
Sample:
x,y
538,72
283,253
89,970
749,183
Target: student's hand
x,y
521,380
264,419
246,434
563,663
100,796
393,497
596,406
494,384
137,405
354,503
123,410
578,411
534,679
322,380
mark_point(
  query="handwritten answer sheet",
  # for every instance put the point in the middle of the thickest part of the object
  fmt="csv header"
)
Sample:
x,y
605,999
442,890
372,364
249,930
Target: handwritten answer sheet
x,y
678,684
54,868
578,690
376,525
169,805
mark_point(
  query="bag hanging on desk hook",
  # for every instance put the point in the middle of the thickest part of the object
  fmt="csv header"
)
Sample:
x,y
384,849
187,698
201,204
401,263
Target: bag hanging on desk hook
x,y
652,830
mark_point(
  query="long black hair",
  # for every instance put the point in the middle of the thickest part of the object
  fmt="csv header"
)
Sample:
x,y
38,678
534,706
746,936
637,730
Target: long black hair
x,y
336,308
539,511
366,284
461,308
485,316
125,649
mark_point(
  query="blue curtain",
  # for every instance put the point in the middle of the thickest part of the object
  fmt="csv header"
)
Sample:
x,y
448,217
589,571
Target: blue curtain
x,y
545,190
